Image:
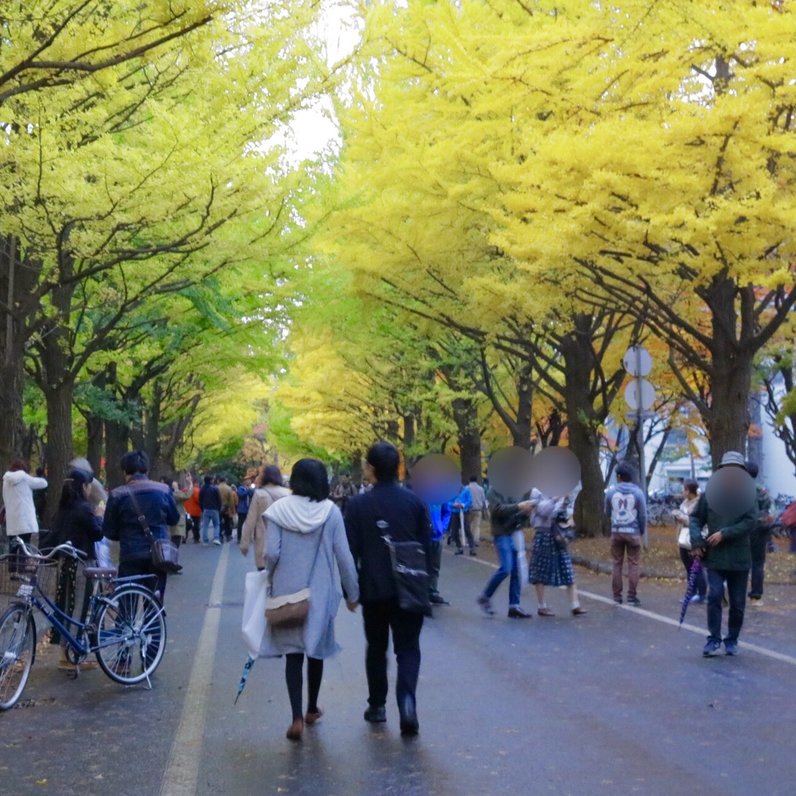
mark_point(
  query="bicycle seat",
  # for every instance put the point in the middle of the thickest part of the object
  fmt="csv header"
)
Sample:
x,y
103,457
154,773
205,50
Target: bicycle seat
x,y
100,572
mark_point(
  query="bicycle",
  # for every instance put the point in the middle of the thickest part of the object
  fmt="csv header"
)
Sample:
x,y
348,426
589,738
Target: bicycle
x,y
124,628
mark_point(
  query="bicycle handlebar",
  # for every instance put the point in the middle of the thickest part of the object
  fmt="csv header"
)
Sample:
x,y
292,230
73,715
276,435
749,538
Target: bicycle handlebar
x,y
67,547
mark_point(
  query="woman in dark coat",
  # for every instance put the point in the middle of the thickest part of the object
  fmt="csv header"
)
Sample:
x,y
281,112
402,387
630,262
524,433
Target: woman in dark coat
x,y
77,523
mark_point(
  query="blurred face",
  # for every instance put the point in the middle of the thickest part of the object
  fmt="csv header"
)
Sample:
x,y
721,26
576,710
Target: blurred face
x,y
86,488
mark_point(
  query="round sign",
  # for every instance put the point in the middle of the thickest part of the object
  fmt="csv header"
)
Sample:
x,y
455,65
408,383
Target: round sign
x,y
730,492
510,472
637,361
436,478
640,394
555,471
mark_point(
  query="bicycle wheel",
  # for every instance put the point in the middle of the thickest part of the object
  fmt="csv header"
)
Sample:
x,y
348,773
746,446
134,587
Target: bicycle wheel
x,y
131,635
17,653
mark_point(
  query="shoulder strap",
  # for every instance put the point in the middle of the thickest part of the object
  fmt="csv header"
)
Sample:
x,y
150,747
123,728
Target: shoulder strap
x,y
141,516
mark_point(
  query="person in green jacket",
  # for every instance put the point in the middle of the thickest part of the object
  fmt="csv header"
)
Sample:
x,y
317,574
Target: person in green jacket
x,y
725,551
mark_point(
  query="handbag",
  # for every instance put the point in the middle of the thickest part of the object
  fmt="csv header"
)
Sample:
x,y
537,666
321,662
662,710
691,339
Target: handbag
x,y
684,537
560,538
410,571
291,610
165,554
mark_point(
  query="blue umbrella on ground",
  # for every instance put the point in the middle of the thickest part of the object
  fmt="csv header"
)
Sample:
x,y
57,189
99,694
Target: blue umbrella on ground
x,y
247,667
694,574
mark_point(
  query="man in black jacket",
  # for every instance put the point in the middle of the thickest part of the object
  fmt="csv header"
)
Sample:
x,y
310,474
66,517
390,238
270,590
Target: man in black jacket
x,y
387,510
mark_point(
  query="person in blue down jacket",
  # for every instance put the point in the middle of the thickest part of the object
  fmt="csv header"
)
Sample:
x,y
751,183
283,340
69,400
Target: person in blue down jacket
x,y
126,503
440,515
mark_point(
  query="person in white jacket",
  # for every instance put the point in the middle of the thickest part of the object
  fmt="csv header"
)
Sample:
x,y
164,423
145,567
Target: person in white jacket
x,y
18,488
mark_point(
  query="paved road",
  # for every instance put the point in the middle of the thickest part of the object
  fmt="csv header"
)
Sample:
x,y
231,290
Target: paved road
x,y
617,701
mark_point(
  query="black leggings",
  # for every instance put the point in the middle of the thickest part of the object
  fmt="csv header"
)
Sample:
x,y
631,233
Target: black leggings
x,y
295,685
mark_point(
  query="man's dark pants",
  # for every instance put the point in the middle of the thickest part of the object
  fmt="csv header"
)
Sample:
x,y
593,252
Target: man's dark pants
x,y
436,563
759,544
381,617
736,593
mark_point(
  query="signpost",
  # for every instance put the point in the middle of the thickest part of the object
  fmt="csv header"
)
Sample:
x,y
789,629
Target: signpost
x,y
640,396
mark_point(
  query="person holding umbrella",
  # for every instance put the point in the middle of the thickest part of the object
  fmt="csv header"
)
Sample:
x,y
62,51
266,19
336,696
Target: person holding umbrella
x,y
728,508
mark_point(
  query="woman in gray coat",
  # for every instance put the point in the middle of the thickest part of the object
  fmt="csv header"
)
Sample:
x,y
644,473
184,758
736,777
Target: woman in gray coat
x,y
307,546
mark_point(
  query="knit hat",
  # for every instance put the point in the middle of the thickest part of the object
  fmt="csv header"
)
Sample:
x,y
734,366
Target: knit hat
x,y
732,458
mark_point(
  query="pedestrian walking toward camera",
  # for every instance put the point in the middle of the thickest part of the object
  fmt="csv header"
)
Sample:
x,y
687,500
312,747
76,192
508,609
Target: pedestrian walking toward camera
x,y
726,552
507,516
477,509
551,563
759,539
269,489
210,503
387,510
440,517
139,497
626,508
460,521
307,549
229,498
683,516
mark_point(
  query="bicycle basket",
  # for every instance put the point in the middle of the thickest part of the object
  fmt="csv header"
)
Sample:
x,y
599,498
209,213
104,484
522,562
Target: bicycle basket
x,y
18,569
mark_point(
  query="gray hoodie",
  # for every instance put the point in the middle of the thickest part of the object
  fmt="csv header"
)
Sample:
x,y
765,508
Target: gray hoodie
x,y
626,508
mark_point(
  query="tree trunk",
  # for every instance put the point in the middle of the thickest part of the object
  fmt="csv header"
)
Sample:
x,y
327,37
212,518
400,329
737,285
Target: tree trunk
x,y
410,432
59,441
522,431
117,436
17,281
465,415
576,351
94,442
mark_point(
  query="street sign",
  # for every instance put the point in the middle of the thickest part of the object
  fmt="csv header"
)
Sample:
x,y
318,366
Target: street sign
x,y
637,361
640,394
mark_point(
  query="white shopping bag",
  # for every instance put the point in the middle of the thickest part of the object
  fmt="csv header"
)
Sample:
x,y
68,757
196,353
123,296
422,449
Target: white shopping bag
x,y
253,623
102,552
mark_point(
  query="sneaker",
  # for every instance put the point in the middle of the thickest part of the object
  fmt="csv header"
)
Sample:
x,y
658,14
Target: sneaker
x,y
618,600
756,601
473,553
217,541
486,605
697,599
633,601
730,647
711,648
518,613
376,715
459,553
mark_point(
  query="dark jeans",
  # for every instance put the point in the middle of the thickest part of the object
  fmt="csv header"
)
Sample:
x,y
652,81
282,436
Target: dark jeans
x,y
226,526
294,662
192,525
759,544
380,617
736,593
509,567
688,559
241,520
456,530
143,566
436,562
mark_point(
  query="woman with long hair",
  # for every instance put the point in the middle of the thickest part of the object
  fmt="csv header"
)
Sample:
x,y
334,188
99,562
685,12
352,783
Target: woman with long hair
x,y
306,547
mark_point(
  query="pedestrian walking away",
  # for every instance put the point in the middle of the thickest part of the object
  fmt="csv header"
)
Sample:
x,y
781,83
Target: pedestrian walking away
x,y
139,497
244,492
440,518
307,548
726,552
387,510
269,490
626,508
507,515
460,521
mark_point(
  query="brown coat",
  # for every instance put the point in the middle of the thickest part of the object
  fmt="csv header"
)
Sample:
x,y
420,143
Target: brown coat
x,y
254,527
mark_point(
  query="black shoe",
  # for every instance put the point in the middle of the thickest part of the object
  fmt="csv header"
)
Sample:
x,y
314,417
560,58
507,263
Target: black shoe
x,y
438,599
633,601
518,613
459,552
409,723
376,715
473,553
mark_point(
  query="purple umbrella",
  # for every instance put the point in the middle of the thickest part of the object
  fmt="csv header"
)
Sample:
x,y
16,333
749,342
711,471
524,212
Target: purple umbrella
x,y
247,667
694,574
